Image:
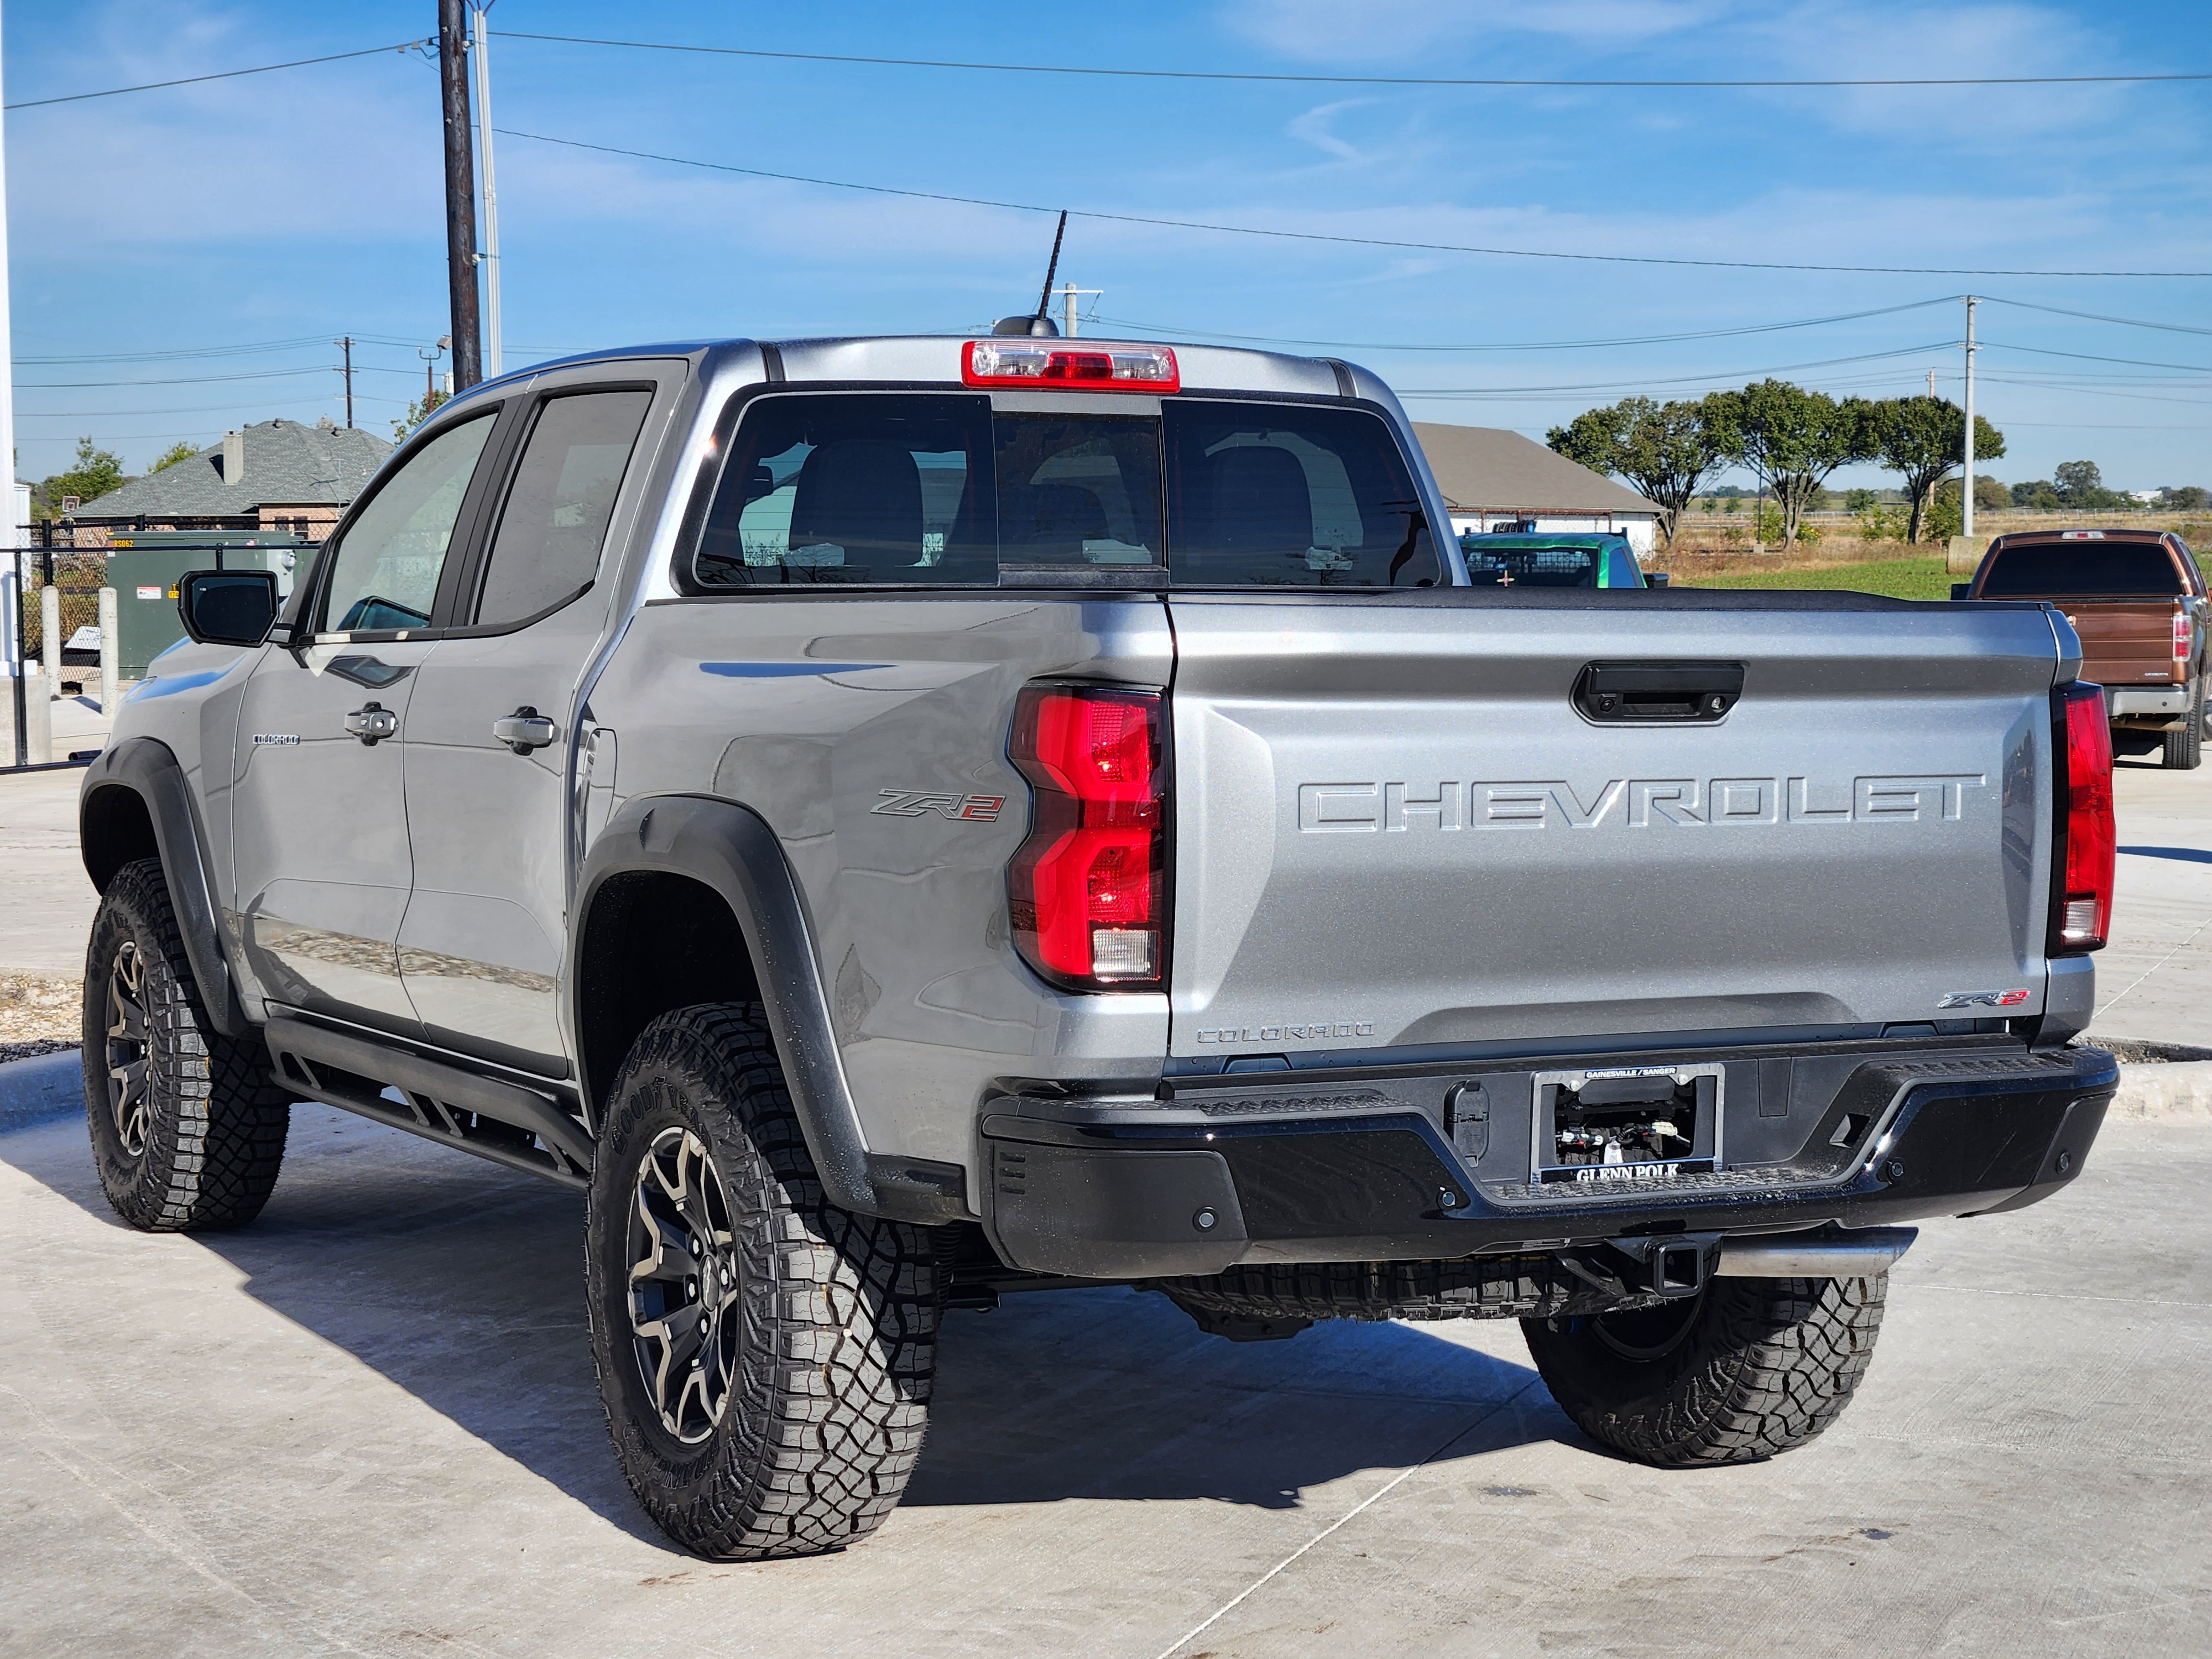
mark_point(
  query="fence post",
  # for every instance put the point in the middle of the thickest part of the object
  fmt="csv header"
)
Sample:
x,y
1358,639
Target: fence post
x,y
111,663
11,595
38,721
50,638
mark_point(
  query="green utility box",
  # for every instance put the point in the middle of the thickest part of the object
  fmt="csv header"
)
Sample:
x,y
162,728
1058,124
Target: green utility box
x,y
143,567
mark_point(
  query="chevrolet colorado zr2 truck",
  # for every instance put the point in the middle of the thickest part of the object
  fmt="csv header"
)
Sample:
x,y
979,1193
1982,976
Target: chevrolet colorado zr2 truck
x,y
900,822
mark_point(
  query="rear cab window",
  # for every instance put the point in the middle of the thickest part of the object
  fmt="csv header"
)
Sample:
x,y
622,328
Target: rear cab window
x,y
936,488
1520,561
2083,570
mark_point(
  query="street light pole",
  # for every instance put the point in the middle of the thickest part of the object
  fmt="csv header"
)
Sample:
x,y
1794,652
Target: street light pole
x,y
481,47
460,194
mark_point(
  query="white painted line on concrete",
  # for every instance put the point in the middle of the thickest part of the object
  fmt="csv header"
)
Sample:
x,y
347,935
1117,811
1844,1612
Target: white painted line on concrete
x,y
1353,1513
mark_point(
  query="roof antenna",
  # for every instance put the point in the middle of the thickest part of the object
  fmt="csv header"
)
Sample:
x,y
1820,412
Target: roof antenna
x,y
1040,324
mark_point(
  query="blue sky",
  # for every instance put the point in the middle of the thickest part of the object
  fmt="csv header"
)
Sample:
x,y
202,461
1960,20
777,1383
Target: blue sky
x,y
299,206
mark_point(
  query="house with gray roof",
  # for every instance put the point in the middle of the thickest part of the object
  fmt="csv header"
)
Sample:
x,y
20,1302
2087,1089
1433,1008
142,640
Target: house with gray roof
x,y
273,476
1495,479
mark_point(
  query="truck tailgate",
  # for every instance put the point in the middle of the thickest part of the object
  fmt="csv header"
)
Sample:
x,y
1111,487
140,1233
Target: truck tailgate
x,y
1394,827
2124,642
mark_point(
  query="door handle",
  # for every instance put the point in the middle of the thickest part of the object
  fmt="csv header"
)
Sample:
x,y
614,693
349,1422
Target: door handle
x,y
524,730
371,723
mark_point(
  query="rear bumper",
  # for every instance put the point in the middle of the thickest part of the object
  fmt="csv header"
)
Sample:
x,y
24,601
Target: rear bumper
x,y
1362,1167
2146,700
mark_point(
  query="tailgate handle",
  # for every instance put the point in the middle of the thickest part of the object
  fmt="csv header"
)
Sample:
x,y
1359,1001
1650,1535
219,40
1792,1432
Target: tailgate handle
x,y
1629,693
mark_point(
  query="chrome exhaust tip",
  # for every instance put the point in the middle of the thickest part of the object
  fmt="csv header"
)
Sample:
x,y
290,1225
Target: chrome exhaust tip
x,y
1853,1254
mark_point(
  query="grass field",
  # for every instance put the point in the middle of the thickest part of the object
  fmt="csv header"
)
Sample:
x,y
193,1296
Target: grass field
x,y
1903,579
1918,577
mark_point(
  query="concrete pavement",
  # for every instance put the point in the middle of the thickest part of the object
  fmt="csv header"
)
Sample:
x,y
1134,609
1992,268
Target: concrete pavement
x,y
368,1425
2155,979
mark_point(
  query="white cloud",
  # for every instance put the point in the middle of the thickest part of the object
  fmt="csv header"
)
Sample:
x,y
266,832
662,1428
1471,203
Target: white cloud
x,y
1314,128
1384,30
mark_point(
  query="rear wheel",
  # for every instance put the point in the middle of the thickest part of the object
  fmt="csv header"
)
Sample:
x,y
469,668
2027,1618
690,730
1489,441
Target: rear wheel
x,y
765,1358
187,1126
2185,750
1747,1368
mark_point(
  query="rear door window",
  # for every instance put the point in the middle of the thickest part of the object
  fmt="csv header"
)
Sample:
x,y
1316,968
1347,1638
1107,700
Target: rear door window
x,y
554,525
1292,496
2082,570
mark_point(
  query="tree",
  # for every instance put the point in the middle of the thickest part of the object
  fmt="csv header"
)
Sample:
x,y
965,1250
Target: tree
x,y
2190,498
97,472
417,412
1793,438
2078,483
1667,451
169,457
1924,438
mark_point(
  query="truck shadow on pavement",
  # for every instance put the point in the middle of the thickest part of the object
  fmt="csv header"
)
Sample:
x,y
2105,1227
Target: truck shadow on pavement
x,y
462,1283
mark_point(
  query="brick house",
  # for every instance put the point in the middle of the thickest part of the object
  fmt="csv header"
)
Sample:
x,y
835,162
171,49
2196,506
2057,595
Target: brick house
x,y
275,476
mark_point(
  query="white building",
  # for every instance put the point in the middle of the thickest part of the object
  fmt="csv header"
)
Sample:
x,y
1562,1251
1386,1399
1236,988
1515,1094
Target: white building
x,y
1495,479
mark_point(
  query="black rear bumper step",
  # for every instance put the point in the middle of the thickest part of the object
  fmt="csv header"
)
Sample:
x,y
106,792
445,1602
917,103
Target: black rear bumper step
x,y
1134,1189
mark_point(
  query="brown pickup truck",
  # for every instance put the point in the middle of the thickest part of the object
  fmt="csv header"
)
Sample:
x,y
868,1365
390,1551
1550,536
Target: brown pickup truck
x,y
2138,599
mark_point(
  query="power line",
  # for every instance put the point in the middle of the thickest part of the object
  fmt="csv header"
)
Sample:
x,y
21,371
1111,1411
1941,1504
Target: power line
x,y
1729,376
1344,79
1319,236
1529,346
2090,357
221,75
2098,317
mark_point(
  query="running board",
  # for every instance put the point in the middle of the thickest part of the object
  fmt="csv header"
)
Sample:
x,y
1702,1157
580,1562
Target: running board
x,y
1855,1254
509,1125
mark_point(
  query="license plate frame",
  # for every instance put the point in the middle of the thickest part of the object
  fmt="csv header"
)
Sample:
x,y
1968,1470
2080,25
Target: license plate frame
x,y
1702,1086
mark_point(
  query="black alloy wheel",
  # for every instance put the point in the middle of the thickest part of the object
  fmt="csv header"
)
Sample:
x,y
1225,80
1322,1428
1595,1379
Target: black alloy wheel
x,y
684,1285
126,1047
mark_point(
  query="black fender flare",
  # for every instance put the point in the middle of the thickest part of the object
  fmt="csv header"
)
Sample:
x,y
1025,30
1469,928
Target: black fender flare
x,y
147,768
731,850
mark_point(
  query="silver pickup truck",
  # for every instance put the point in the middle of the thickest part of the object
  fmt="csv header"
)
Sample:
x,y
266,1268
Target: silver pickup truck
x,y
897,822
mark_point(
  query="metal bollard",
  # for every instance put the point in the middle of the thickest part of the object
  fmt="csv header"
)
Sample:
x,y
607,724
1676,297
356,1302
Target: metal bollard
x,y
50,638
38,718
111,661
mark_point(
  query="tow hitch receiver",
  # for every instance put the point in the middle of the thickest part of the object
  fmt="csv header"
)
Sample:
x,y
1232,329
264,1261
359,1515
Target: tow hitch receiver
x,y
1674,1264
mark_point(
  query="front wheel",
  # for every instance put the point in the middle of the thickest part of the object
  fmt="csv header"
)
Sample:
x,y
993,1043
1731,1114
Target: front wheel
x,y
765,1358
1747,1368
187,1125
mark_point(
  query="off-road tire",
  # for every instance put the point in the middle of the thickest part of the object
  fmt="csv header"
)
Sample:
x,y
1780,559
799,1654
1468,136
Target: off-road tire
x,y
201,1146
835,1348
1752,1367
2184,751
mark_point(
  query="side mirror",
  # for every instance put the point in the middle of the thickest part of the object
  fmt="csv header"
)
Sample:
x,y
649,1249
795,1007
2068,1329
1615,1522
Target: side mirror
x,y
226,607
1962,590
1655,577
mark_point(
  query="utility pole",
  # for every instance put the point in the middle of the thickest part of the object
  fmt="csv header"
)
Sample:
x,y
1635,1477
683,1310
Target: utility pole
x,y
460,194
482,47
347,372
1966,489
11,589
1931,385
429,364
1068,296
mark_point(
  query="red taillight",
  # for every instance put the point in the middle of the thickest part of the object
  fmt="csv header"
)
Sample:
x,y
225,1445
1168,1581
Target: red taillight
x,y
1088,887
1086,367
2081,913
2185,636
